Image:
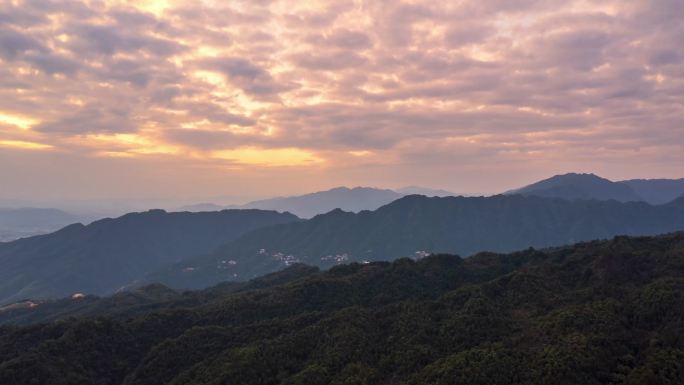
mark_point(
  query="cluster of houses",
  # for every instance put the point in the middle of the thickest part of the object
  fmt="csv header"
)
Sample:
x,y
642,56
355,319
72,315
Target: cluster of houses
x,y
420,254
226,264
337,258
286,259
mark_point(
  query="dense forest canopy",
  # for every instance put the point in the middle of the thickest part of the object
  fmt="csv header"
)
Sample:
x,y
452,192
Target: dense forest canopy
x,y
602,312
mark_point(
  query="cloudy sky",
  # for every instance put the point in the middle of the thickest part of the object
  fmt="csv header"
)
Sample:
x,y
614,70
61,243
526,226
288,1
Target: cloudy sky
x,y
111,99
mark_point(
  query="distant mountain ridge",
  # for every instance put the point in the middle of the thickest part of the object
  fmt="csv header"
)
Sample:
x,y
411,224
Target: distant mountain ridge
x,y
571,186
28,221
309,205
196,249
574,186
676,203
417,190
415,226
202,207
657,191
580,186
110,253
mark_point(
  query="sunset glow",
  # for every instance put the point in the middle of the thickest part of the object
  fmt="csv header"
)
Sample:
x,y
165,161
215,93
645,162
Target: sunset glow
x,y
268,157
487,94
24,145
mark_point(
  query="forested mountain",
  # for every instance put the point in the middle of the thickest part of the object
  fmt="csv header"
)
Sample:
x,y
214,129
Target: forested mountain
x,y
580,186
25,222
416,225
110,253
139,300
589,186
603,312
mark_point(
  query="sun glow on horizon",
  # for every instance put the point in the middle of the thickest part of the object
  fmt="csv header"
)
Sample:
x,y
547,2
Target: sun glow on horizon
x,y
256,156
22,144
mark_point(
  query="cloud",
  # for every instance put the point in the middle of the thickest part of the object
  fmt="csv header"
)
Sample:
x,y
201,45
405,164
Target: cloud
x,y
216,113
330,61
246,75
112,39
14,43
52,63
208,139
581,50
464,32
348,39
415,83
90,119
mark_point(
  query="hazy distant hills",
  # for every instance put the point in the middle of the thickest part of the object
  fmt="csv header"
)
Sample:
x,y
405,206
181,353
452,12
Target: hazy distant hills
x,y
308,205
589,186
202,207
198,249
592,313
110,253
25,222
657,191
416,225
676,204
570,186
417,190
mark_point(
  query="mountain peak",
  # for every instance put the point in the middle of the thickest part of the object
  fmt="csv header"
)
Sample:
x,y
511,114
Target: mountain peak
x,y
573,186
353,199
577,176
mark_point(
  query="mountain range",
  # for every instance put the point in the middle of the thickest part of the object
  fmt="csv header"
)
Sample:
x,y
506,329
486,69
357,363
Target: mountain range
x,y
607,312
22,222
108,254
589,186
570,186
414,226
308,205
195,250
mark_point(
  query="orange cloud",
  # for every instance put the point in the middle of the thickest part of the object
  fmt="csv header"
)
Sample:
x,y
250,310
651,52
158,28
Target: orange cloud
x,y
24,145
349,84
274,157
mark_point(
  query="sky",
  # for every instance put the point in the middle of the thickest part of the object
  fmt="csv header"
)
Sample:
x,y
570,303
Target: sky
x,y
196,99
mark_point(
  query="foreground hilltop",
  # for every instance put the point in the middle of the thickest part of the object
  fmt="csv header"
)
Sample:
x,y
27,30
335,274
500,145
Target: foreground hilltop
x,y
592,313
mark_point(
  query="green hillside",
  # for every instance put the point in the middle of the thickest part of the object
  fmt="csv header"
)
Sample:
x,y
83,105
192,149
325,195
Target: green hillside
x,y
603,312
415,225
112,253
